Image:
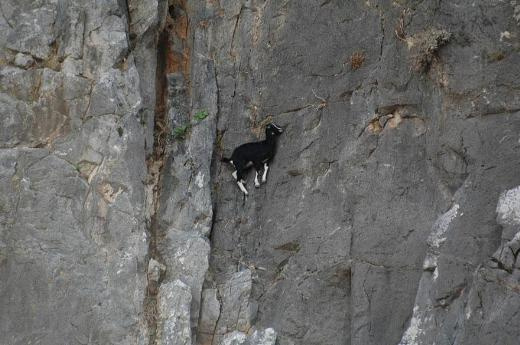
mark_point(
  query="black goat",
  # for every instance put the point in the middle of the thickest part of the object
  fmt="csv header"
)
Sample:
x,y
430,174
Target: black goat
x,y
255,154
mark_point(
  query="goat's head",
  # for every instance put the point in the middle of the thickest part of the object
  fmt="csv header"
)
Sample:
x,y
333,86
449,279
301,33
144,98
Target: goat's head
x,y
272,130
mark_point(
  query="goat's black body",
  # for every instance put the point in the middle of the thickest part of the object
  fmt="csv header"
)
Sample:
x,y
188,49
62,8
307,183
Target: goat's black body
x,y
256,154
253,153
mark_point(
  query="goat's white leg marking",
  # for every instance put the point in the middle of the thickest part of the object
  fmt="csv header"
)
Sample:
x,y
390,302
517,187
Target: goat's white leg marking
x,y
234,174
257,184
264,176
242,188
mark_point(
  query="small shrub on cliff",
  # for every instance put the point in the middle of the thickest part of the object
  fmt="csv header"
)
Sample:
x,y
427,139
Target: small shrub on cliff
x,y
400,31
496,56
424,47
357,59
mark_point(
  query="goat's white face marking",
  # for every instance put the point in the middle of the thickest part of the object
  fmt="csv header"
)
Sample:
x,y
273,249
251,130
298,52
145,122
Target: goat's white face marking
x,y
234,174
242,188
264,176
257,184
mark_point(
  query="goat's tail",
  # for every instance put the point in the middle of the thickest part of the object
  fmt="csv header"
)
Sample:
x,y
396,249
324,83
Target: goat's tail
x,y
225,160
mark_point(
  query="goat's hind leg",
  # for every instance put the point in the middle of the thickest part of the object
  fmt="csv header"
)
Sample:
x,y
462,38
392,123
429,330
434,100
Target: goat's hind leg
x,y
240,182
258,168
234,173
242,188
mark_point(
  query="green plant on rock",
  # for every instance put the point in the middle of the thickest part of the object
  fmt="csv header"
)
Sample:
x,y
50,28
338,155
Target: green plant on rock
x,y
201,115
180,132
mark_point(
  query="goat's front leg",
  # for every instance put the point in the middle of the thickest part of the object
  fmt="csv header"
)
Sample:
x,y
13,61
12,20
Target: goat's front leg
x,y
264,176
257,184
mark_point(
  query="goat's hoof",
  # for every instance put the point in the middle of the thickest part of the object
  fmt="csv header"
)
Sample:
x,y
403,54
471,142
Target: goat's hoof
x,y
257,185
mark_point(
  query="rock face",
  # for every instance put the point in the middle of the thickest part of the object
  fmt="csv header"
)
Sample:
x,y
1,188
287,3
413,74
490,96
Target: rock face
x,y
73,231
399,142
391,212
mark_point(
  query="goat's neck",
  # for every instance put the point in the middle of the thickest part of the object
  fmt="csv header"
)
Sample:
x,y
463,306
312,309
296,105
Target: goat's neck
x,y
270,140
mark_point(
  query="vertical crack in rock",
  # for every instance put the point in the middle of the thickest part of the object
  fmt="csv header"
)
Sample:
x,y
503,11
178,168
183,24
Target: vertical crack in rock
x,y
180,160
231,48
131,37
155,169
382,26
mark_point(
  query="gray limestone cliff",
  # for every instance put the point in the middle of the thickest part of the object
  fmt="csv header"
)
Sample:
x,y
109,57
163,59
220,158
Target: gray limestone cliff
x,y
391,212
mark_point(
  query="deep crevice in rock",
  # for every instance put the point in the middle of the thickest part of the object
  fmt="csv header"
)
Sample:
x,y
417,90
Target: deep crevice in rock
x,y
155,167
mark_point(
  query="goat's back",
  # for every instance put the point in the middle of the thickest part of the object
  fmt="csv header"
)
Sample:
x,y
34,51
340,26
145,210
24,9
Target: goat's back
x,y
256,151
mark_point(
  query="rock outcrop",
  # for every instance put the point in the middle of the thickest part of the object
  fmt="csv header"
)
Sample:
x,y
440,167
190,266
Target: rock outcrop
x,y
391,212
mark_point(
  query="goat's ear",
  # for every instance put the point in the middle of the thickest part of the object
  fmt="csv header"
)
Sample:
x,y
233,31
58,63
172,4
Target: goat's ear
x,y
278,128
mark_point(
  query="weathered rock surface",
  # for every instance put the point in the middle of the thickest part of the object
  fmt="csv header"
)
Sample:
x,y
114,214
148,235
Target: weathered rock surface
x,y
73,230
209,316
265,337
402,125
174,314
391,213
